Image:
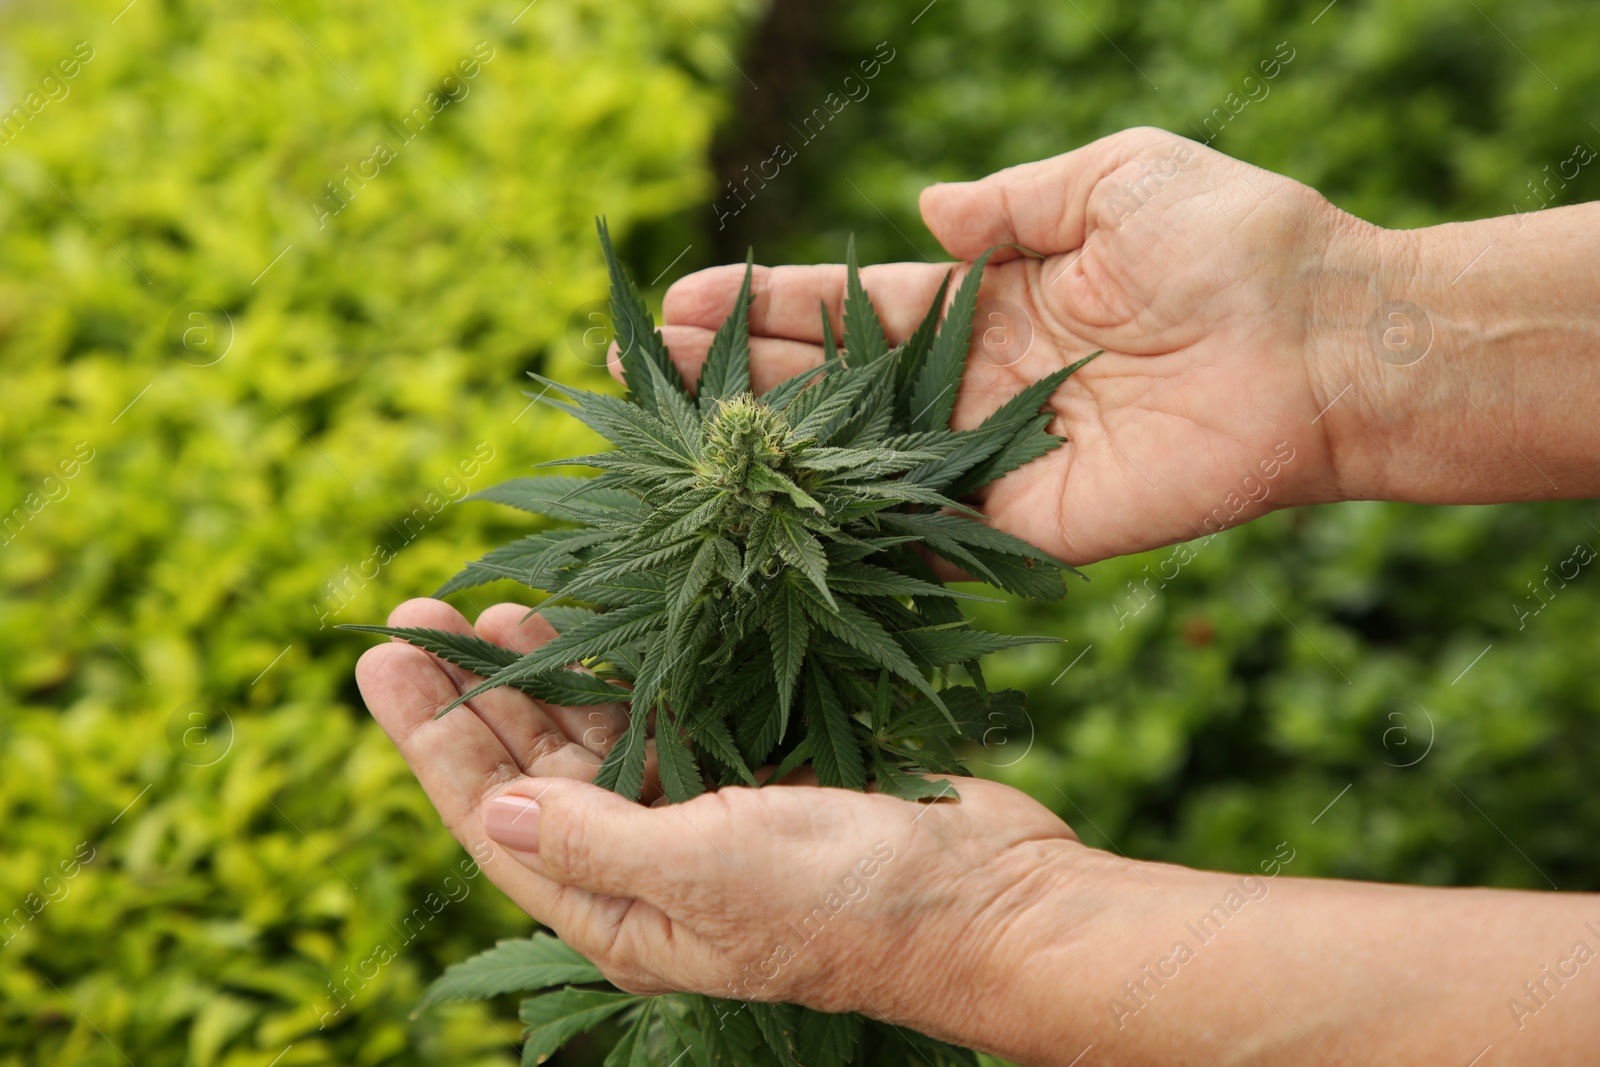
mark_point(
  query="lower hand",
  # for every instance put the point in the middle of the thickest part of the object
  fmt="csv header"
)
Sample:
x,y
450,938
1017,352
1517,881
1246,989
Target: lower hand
x,y
983,922
837,900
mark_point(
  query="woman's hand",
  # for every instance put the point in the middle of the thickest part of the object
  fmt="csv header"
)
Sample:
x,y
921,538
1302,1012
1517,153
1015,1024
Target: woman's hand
x,y
981,921
1208,283
838,900
1263,349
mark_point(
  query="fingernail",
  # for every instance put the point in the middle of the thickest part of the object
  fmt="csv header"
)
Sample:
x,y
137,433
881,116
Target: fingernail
x,y
514,822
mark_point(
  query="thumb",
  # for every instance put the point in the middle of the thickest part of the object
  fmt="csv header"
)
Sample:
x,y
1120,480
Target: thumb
x,y
589,838
1042,206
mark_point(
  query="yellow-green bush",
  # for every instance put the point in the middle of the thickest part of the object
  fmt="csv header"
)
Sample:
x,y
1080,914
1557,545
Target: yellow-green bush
x,y
345,371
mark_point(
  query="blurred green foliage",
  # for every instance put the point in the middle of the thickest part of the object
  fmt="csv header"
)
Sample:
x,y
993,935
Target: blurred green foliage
x,y
1222,703
242,860
251,470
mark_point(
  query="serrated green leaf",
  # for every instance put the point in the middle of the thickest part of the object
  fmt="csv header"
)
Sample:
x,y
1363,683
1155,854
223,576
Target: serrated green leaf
x,y
564,617
830,346
937,531
556,1018
684,1045
638,340
464,650
780,1029
680,774
538,962
864,341
867,579
835,753
534,560
567,498
800,549
790,633
726,371
676,409
648,437
941,646
907,785
1014,435
828,1040
622,771
933,391
797,755
711,734
573,689
696,575
925,1051
766,480
594,638
914,353
631,1049
861,632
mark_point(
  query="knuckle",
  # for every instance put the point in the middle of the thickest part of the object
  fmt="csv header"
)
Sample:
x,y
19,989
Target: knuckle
x,y
1142,137
493,778
541,746
566,854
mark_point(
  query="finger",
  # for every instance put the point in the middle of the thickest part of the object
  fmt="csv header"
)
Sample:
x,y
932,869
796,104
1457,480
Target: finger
x,y
787,301
523,725
591,839
687,345
1041,206
458,759
460,762
772,360
433,614
594,726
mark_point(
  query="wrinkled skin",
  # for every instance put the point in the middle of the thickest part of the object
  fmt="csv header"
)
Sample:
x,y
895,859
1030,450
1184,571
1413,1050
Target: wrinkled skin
x,y
1199,289
717,895
1202,289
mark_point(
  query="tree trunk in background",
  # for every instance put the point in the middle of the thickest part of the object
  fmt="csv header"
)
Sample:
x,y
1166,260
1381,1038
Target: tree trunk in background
x,y
784,54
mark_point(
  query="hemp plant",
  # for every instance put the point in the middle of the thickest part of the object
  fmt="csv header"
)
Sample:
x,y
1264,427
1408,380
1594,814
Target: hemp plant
x,y
753,576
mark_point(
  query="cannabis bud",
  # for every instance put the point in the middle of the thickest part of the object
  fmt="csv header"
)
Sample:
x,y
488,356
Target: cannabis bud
x,y
755,570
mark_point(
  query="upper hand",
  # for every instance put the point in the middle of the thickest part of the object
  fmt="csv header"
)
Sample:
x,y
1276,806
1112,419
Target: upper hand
x,y
1205,281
